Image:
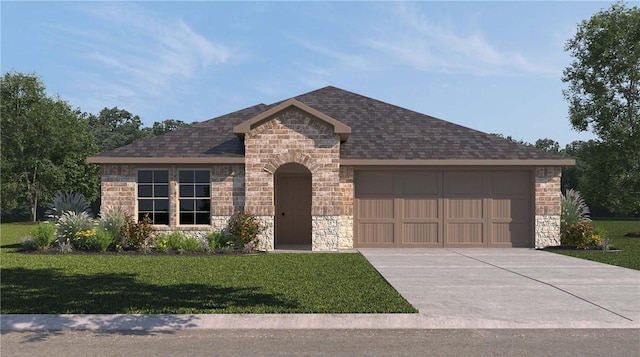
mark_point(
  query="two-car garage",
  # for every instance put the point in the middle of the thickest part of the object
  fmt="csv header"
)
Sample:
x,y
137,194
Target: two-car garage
x,y
443,208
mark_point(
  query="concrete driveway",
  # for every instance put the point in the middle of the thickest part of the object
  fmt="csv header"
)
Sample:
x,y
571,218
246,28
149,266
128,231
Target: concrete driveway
x,y
511,288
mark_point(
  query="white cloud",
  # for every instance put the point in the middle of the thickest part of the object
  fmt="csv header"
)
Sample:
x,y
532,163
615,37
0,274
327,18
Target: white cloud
x,y
431,47
132,52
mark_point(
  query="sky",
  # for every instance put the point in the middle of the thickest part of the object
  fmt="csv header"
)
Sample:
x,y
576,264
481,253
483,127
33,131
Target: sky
x,y
491,66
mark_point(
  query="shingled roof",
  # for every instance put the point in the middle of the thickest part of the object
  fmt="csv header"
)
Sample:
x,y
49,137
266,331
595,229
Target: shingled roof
x,y
379,131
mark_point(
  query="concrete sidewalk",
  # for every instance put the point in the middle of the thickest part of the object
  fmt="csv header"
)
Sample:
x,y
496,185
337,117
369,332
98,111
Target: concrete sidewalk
x,y
452,288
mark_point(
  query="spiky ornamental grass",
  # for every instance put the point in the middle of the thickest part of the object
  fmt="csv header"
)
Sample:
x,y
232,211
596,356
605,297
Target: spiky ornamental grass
x,y
67,202
573,210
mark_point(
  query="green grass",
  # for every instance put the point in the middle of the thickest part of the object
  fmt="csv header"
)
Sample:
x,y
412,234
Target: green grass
x,y
629,257
266,283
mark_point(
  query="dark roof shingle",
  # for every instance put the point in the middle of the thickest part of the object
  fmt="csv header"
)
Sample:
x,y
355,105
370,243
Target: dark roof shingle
x,y
378,131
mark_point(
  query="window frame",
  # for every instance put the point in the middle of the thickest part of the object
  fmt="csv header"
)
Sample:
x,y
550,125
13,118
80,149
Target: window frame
x,y
195,210
153,198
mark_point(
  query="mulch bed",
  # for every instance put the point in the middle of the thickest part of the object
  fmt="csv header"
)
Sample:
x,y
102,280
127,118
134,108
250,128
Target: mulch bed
x,y
55,251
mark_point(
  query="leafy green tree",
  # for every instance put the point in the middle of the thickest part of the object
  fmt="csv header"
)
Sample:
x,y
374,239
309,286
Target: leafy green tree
x,y
604,97
44,146
114,127
166,126
548,145
570,174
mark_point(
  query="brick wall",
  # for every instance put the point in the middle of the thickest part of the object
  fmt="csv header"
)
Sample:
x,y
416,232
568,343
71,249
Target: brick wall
x,y
118,188
227,191
292,136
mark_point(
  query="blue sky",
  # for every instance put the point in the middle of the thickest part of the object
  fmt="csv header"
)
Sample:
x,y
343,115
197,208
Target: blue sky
x,y
491,66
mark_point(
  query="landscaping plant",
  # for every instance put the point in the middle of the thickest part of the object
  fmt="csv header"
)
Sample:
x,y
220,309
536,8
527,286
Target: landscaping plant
x,y
573,210
244,228
111,221
93,240
190,244
136,235
71,223
217,240
582,235
67,202
42,236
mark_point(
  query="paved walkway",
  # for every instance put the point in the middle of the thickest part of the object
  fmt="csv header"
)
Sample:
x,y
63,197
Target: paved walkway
x,y
452,288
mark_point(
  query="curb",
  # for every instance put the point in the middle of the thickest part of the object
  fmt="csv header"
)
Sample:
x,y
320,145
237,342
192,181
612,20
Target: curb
x,y
15,322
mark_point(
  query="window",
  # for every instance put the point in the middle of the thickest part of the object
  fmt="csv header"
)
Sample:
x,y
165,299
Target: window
x,y
153,195
195,197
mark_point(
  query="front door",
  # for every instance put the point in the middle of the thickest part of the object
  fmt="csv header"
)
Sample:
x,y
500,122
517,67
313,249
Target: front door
x,y
293,209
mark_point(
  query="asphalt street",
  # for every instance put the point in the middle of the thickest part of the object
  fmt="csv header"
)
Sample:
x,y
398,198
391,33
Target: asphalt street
x,y
501,342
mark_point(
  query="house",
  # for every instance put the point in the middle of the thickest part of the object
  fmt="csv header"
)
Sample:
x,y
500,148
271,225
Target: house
x,y
331,170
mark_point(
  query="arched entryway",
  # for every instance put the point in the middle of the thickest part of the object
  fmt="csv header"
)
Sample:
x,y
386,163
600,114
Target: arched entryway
x,y
293,207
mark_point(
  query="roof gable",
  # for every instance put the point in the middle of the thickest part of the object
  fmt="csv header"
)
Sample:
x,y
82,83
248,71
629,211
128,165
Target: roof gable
x,y
338,127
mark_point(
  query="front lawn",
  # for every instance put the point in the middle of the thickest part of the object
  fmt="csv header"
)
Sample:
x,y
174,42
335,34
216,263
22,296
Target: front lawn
x,y
266,283
629,257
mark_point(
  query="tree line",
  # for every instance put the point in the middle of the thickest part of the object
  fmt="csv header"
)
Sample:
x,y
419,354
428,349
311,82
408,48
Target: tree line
x,y
45,143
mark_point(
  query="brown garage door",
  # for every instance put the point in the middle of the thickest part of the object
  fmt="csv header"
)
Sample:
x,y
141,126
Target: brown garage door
x,y
443,209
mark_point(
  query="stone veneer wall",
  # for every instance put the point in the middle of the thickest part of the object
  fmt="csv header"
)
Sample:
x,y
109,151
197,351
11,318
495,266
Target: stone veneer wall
x,y
547,203
292,136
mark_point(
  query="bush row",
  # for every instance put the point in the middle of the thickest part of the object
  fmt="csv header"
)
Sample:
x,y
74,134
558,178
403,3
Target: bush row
x,y
71,227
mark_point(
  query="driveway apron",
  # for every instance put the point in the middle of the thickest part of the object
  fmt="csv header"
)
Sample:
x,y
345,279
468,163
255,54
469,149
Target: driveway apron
x,y
485,288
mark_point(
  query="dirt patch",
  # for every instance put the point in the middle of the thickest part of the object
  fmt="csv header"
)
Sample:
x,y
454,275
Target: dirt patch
x,y
633,234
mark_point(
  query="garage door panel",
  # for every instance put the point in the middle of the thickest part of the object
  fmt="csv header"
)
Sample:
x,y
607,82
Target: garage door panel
x,y
420,208
464,233
420,233
510,234
510,183
429,208
376,208
376,233
459,208
516,210
375,185
463,183
424,184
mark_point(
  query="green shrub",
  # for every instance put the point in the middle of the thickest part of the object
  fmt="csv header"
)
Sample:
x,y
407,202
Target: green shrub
x,y
217,240
111,221
136,235
573,210
582,235
84,240
71,223
104,240
67,202
94,240
174,240
244,228
190,244
43,235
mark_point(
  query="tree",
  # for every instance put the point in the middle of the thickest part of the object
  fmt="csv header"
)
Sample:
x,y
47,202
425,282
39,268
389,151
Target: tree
x,y
604,97
548,145
166,126
115,127
44,146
